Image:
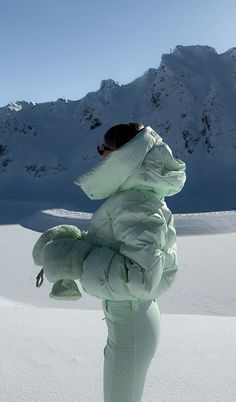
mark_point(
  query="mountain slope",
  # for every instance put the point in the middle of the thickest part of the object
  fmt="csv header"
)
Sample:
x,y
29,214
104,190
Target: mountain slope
x,y
189,100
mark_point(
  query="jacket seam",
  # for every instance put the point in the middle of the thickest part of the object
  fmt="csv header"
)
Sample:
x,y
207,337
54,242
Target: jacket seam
x,y
109,266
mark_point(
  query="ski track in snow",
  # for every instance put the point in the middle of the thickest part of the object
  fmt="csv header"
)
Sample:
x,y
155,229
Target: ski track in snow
x,y
65,212
188,224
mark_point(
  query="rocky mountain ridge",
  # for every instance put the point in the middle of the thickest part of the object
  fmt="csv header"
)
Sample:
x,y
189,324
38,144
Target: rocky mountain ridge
x,y
189,100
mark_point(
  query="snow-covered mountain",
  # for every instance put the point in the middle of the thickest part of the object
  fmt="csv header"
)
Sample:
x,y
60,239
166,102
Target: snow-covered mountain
x,y
189,99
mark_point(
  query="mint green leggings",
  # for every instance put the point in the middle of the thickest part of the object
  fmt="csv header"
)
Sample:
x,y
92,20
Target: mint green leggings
x,y
133,337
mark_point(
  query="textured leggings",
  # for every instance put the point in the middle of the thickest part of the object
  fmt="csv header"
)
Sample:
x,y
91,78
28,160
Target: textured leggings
x,y
133,337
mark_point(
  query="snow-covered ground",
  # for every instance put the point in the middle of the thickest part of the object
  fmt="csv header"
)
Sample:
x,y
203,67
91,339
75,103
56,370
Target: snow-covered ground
x,y
53,351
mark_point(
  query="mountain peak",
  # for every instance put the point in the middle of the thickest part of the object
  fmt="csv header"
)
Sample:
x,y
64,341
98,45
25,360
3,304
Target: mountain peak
x,y
188,53
109,83
197,50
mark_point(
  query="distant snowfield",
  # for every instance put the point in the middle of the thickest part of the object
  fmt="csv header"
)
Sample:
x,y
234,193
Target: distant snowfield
x,y
53,351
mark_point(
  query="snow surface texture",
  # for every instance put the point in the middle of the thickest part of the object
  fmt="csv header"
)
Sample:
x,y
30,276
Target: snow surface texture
x,y
53,351
189,99
57,356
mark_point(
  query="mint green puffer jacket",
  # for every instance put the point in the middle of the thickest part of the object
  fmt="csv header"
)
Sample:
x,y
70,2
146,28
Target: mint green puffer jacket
x,y
134,253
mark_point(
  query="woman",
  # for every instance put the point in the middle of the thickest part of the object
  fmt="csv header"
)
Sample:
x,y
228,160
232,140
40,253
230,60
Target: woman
x,y
134,258
128,256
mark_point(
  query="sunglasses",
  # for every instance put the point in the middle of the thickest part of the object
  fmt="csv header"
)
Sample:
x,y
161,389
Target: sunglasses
x,y
103,148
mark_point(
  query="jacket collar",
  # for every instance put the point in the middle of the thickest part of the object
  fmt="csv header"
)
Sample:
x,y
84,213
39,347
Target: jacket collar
x,y
105,178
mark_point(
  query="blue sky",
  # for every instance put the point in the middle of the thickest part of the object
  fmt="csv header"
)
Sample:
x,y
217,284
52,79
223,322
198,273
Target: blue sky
x,y
64,48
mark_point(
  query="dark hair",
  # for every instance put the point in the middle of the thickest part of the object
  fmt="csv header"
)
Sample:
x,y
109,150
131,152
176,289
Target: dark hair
x,y
120,134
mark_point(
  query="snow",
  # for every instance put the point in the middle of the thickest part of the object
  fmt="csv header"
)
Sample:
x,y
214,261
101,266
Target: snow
x,y
57,356
53,351
15,106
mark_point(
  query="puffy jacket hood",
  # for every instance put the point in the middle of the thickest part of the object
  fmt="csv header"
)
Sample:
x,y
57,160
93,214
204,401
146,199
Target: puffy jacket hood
x,y
145,162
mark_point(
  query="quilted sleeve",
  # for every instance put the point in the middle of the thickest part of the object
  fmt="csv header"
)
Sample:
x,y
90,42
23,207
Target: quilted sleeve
x,y
136,270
